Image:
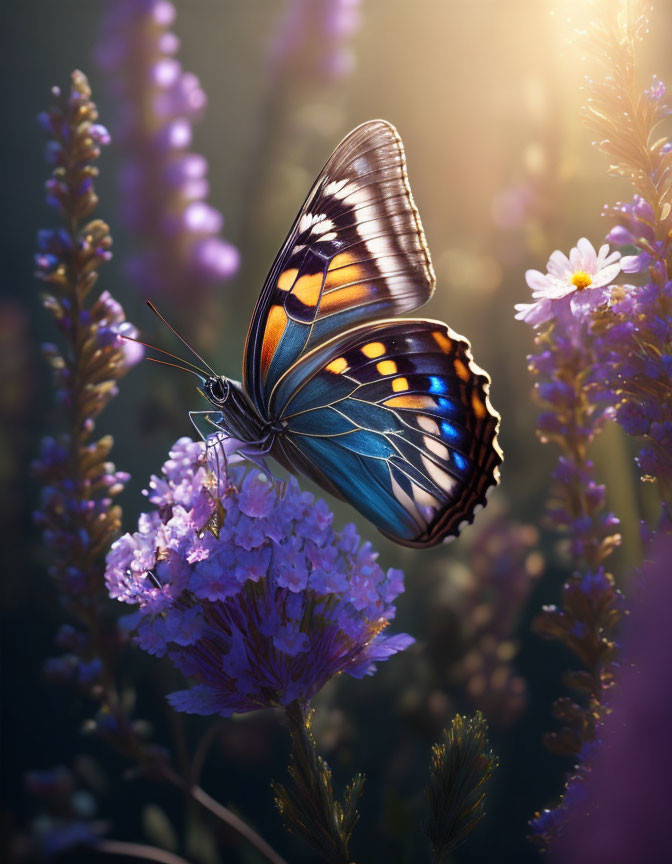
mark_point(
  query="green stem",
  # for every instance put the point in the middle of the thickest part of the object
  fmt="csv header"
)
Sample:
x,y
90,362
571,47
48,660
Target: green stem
x,y
308,805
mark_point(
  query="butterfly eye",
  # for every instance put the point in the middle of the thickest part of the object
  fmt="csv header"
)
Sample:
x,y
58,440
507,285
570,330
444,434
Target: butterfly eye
x,y
215,390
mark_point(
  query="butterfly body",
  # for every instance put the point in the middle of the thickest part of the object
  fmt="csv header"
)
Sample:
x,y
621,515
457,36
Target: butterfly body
x,y
389,414
237,414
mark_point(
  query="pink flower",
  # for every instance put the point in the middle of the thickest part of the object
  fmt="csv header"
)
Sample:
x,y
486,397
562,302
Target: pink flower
x,y
577,284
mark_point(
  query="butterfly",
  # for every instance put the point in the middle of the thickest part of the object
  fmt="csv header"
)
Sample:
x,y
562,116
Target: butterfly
x,y
388,414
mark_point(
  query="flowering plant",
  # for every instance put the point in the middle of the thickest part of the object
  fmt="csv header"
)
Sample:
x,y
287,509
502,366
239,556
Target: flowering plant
x,y
572,285
180,252
607,355
79,483
267,611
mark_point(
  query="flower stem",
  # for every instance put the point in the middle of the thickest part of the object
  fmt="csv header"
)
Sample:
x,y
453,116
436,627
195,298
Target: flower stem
x,y
233,821
138,850
225,815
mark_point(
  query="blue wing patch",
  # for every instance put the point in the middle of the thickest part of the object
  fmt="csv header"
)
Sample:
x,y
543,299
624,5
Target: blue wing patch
x,y
396,418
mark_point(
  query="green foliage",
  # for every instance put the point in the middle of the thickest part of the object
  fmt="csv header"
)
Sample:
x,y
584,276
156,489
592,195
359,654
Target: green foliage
x,y
308,805
462,763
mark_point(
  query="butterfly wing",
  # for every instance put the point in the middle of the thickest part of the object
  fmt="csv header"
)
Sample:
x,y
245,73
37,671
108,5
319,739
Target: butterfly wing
x,y
393,417
355,253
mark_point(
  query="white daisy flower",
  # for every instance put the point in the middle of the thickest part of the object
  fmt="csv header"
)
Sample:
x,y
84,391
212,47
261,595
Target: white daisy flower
x,y
578,283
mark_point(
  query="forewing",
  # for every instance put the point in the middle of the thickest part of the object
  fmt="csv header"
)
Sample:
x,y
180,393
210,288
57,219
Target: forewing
x,y
395,418
355,253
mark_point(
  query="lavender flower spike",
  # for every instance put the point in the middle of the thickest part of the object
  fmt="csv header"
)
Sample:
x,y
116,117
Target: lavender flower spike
x,y
76,512
164,186
313,39
266,613
591,605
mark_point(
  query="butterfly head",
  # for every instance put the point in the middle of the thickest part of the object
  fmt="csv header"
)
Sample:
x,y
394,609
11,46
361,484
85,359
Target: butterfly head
x,y
217,389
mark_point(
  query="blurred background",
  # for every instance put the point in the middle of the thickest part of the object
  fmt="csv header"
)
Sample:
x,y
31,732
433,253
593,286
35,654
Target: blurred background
x,y
486,95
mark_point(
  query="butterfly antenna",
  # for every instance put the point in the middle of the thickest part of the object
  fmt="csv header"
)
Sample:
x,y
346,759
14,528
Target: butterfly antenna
x,y
167,353
174,366
181,338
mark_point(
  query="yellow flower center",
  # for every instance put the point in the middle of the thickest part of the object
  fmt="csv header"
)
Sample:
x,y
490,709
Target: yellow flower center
x,y
581,280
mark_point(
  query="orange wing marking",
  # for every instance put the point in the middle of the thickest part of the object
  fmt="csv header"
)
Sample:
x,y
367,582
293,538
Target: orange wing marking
x,y
275,327
373,350
344,285
400,384
344,298
343,270
307,289
444,343
478,407
460,370
387,367
410,401
287,279
340,364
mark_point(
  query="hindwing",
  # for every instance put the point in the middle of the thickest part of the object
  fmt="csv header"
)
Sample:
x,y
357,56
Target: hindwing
x,y
395,418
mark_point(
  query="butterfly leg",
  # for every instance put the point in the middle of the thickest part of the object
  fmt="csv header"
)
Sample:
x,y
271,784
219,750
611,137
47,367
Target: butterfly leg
x,y
208,416
254,451
209,419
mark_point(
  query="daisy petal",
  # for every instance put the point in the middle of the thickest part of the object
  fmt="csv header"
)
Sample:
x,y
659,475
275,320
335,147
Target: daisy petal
x,y
588,256
534,313
536,280
608,259
575,259
606,275
558,264
603,256
555,288
602,253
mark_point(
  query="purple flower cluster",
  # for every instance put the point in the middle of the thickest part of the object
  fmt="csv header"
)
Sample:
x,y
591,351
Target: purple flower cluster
x,y
164,187
635,226
633,374
633,342
591,606
632,339
313,38
570,420
79,482
615,363
267,611
550,824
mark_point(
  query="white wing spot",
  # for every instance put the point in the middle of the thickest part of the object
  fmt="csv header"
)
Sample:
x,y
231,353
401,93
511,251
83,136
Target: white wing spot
x,y
406,502
427,504
322,226
436,447
335,187
441,478
317,223
427,424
